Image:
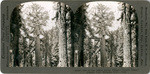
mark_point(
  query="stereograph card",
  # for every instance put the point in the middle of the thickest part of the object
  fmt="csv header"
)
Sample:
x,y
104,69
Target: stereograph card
x,y
75,36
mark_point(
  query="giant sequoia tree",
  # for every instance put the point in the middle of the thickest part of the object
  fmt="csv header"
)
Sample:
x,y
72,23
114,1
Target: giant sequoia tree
x,y
15,33
64,21
62,35
36,18
129,21
69,22
104,19
126,28
79,35
97,27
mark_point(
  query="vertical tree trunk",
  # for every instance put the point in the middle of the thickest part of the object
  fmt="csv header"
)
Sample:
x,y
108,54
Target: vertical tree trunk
x,y
81,60
126,45
87,61
14,28
81,38
50,65
113,60
70,50
134,47
47,48
103,50
112,52
78,51
99,59
31,61
80,21
24,60
80,48
94,54
46,58
62,37
37,49
49,56
76,58
72,38
16,47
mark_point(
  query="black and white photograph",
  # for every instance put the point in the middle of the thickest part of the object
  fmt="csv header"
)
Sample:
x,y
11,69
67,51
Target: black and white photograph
x,y
50,34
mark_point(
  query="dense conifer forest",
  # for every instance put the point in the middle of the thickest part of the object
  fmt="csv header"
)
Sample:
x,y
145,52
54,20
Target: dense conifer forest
x,y
96,35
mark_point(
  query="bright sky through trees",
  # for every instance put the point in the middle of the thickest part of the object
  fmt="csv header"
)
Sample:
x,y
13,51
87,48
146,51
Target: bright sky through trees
x,y
49,6
113,6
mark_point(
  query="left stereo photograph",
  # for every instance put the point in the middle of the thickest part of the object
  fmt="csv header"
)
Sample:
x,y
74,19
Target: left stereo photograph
x,y
40,33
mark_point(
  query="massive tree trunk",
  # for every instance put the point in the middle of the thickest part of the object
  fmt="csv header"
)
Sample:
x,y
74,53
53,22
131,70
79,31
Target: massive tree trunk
x,y
16,47
76,47
79,49
37,48
81,55
134,37
80,24
70,50
126,45
62,36
14,28
134,44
